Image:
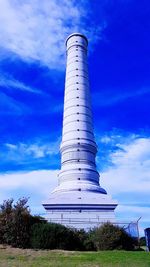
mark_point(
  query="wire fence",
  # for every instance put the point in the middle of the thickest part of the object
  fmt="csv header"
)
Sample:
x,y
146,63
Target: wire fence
x,y
132,227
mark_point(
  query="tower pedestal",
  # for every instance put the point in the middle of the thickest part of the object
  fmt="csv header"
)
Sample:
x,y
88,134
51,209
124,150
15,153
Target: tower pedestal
x,y
80,210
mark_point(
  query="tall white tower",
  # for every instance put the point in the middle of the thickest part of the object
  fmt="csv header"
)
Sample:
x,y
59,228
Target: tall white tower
x,y
78,199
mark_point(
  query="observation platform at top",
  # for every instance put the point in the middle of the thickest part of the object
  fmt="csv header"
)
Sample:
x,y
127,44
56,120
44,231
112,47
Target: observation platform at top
x,y
76,39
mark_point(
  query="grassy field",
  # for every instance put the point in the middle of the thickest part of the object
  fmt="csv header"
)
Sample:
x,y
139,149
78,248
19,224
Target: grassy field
x,y
11,257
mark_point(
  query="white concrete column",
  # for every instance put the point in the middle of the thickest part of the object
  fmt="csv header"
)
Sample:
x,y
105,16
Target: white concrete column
x,y
78,147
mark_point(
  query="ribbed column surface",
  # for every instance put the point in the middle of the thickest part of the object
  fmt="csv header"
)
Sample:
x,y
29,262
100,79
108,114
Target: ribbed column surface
x,y
78,147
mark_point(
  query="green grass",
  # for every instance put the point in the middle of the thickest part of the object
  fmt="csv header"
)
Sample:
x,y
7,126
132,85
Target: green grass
x,y
11,257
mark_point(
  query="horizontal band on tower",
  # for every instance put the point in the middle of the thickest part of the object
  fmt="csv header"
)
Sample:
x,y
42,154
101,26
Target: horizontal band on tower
x,y
77,45
77,61
79,131
77,171
81,139
64,124
80,206
77,98
78,48
76,69
80,113
78,84
75,56
84,147
75,91
70,161
77,75
80,178
77,106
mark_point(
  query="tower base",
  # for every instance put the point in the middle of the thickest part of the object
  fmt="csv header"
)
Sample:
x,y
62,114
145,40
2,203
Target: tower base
x,y
80,210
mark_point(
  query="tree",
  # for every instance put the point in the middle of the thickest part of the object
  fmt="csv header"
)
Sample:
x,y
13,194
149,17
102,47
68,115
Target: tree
x,y
20,220
5,221
16,222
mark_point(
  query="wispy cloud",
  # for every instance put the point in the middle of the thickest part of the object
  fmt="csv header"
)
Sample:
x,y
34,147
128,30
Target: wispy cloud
x,y
110,98
10,106
36,150
32,156
7,81
35,30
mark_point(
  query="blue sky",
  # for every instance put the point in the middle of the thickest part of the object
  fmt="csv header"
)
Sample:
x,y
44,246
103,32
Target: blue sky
x,y
32,75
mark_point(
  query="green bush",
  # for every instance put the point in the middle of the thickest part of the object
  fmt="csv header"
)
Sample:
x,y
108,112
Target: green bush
x,y
49,236
110,237
86,242
57,236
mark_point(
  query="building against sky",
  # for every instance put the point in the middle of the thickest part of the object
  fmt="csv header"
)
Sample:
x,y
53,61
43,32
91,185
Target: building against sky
x,y
78,199
31,97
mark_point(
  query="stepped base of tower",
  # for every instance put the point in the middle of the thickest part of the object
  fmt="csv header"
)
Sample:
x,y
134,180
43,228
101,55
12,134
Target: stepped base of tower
x,y
80,210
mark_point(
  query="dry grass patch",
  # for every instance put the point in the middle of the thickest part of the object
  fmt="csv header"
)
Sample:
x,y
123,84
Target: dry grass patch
x,y
15,257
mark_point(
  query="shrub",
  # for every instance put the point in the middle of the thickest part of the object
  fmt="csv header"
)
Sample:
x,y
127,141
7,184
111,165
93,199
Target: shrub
x,y
57,236
110,237
48,236
142,241
86,243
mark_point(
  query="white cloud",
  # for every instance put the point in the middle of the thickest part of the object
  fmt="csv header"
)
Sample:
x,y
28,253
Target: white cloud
x,y
129,176
131,165
126,210
133,214
128,179
37,185
42,181
35,30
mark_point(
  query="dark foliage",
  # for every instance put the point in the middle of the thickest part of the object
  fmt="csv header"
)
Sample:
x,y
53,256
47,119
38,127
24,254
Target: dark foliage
x,y
85,240
15,223
19,228
142,241
110,237
56,236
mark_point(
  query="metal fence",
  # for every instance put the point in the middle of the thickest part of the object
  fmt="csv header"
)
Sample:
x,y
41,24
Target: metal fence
x,y
131,227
